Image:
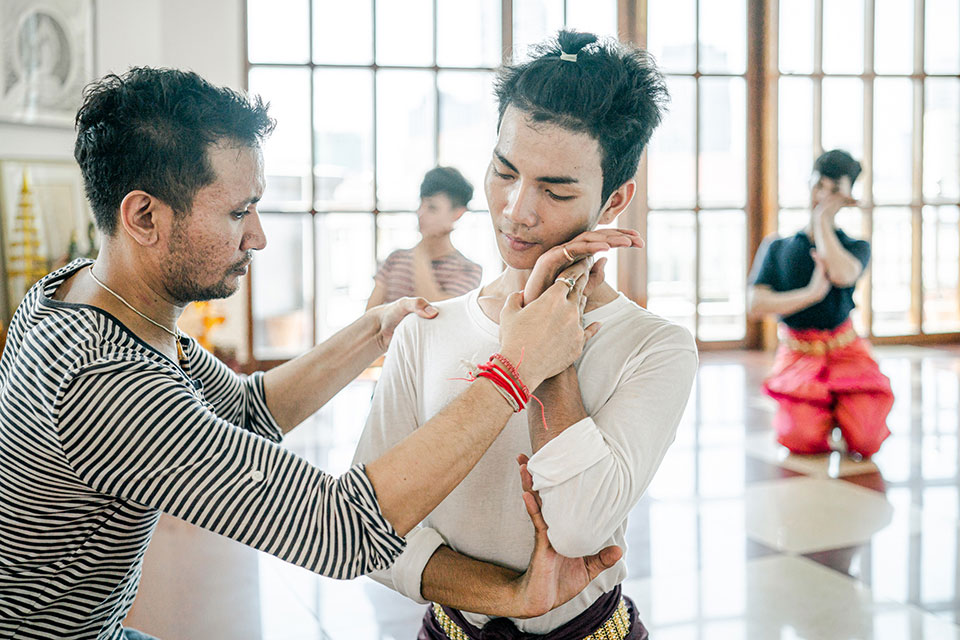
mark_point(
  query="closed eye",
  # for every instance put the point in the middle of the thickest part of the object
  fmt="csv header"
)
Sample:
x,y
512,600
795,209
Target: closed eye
x,y
559,198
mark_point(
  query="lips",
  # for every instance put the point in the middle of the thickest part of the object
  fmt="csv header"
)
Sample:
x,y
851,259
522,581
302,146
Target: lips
x,y
516,243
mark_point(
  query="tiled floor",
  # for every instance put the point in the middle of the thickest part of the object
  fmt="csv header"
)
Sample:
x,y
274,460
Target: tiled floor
x,y
734,538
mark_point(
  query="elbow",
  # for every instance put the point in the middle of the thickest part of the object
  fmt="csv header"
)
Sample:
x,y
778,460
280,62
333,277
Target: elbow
x,y
574,542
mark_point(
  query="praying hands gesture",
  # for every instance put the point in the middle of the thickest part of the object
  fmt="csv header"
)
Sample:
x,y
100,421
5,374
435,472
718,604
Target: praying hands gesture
x,y
552,579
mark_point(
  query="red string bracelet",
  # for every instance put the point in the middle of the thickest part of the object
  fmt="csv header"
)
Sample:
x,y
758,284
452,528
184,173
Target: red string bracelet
x,y
508,382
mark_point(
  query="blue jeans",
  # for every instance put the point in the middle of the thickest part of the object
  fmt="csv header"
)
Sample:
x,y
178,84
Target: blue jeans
x,y
133,634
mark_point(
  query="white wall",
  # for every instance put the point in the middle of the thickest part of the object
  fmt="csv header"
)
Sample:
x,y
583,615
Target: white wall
x,y
205,36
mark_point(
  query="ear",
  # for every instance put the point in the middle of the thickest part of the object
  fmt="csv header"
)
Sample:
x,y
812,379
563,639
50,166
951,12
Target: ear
x,y
618,201
458,213
142,216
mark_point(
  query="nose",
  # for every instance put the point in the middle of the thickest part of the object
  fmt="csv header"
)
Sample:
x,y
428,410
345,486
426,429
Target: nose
x,y
521,204
253,235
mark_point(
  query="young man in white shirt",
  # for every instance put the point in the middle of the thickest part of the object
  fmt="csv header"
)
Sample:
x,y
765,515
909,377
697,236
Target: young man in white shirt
x,y
573,123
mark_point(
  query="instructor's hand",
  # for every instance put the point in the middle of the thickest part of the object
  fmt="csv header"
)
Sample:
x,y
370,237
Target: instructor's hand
x,y
552,579
388,316
547,334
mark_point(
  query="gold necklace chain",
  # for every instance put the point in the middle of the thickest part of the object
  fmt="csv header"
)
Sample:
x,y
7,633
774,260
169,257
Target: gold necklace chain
x,y
176,334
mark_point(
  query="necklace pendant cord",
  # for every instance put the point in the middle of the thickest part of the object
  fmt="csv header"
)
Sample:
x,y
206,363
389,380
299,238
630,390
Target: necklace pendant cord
x,y
181,356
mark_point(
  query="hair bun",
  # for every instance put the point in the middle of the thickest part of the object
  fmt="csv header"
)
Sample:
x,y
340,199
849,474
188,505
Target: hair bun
x,y
572,42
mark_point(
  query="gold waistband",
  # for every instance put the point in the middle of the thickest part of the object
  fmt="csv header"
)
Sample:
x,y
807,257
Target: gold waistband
x,y
820,347
616,627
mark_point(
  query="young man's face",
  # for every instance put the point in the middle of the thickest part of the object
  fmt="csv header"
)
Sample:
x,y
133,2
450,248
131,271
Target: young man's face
x,y
823,187
543,187
211,246
437,215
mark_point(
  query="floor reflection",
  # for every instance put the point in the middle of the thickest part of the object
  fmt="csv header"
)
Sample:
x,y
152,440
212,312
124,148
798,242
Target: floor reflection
x,y
733,539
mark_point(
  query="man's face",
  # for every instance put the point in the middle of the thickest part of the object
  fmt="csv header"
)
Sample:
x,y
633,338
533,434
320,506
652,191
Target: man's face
x,y
823,187
543,187
437,215
211,246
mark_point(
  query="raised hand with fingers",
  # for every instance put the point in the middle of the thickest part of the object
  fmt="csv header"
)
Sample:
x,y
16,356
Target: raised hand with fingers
x,y
559,260
552,579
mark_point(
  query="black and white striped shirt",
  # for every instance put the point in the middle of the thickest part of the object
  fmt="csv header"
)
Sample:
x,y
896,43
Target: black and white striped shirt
x,y
100,433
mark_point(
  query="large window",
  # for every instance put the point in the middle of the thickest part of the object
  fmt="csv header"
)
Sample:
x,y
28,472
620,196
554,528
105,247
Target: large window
x,y
879,78
368,96
697,169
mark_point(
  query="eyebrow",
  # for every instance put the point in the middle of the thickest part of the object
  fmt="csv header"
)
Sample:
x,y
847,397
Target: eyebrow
x,y
546,179
246,203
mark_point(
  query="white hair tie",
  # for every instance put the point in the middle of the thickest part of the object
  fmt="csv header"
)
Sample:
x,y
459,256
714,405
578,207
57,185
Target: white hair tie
x,y
568,57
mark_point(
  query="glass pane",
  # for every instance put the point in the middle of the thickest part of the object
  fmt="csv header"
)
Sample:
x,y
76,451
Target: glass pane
x,y
671,168
795,105
345,268
790,221
942,45
941,139
843,115
723,142
941,266
396,231
473,237
892,140
282,322
672,34
405,32
723,36
278,31
342,32
343,135
893,51
406,131
476,46
286,153
723,272
796,36
593,16
671,260
533,21
842,36
468,125
892,253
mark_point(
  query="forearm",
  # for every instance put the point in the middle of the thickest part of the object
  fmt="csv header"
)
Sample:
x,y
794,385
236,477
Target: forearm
x,y
763,301
414,476
458,581
562,407
295,390
843,268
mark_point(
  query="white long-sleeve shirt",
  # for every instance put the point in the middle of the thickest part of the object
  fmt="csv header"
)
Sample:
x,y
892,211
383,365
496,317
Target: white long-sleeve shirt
x,y
635,377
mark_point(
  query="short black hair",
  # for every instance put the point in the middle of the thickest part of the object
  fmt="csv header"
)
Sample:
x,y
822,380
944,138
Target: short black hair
x,y
150,129
837,163
612,91
449,181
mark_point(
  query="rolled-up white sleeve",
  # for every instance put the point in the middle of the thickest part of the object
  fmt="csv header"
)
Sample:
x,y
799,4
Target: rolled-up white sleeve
x,y
591,475
405,576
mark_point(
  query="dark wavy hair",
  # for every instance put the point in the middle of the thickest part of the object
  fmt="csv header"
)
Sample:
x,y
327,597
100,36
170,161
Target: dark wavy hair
x,y
449,181
836,164
150,129
613,92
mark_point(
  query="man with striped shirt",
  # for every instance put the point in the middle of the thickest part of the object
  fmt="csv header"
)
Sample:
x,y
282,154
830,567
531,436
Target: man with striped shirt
x,y
433,269
108,416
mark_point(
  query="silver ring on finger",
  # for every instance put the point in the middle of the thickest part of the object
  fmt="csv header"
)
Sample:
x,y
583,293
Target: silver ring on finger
x,y
570,282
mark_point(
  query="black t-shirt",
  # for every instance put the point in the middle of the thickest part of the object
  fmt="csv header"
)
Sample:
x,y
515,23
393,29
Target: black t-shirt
x,y
784,264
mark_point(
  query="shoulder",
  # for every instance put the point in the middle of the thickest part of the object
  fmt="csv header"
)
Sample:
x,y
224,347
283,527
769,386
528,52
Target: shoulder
x,y
648,332
451,317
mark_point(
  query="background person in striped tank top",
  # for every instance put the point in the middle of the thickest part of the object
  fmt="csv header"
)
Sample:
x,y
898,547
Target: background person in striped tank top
x,y
433,269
